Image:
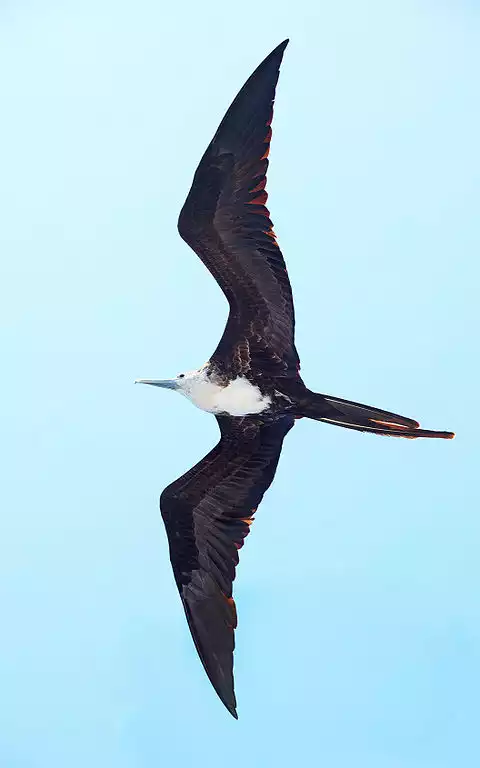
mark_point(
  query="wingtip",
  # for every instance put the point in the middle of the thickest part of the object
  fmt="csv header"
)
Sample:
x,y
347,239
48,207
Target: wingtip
x,y
278,51
229,701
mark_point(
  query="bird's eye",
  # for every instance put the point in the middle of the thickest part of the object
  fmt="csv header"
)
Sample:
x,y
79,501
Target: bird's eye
x,y
181,376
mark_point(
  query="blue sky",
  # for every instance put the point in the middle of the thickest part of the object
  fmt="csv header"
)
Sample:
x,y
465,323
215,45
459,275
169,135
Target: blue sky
x,y
357,591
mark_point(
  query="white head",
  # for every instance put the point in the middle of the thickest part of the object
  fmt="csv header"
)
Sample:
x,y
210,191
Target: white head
x,y
183,382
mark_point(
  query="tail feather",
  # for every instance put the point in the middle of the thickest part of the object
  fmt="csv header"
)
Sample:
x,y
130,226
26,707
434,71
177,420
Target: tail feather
x,y
364,418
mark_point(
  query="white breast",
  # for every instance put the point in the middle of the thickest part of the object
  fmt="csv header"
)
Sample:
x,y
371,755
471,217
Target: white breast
x,y
238,398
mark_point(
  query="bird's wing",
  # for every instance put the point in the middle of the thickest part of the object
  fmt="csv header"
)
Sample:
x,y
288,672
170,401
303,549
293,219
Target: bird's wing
x,y
207,514
224,219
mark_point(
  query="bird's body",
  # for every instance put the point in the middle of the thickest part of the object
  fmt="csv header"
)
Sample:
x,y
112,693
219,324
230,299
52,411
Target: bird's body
x,y
210,392
251,383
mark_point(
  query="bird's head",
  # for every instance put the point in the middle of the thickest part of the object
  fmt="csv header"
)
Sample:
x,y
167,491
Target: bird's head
x,y
182,382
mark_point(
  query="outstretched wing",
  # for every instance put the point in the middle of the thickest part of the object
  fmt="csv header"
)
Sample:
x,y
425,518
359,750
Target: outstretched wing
x,y
224,219
207,514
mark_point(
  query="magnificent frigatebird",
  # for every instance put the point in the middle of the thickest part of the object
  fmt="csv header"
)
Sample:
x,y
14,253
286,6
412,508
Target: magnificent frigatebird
x,y
251,383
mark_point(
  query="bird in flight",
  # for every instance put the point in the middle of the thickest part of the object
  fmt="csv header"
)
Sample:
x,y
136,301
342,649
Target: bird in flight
x,y
251,383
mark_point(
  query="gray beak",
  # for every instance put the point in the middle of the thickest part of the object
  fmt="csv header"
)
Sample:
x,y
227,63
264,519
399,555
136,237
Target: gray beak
x,y
166,383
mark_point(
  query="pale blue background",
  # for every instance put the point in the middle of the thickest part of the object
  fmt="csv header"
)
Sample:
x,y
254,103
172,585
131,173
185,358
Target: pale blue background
x,y
358,590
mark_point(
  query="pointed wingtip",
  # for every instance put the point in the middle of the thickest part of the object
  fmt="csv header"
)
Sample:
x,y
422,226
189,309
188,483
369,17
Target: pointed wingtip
x,y
229,701
278,51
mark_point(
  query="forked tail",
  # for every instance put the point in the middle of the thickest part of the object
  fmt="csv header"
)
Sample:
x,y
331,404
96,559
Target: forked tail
x,y
363,418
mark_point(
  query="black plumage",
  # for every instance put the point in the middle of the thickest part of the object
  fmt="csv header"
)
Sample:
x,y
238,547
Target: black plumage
x,y
224,219
207,514
208,511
